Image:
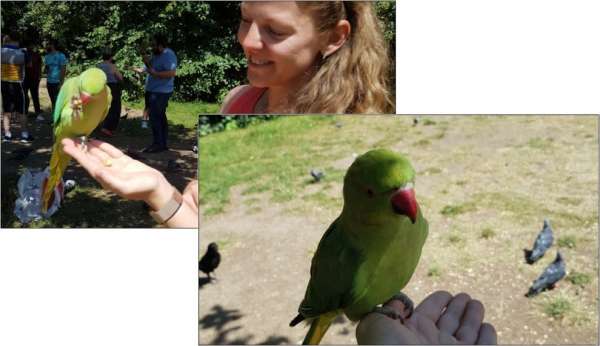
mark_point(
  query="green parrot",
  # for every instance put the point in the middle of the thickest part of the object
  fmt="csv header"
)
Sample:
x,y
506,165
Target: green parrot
x,y
81,105
370,252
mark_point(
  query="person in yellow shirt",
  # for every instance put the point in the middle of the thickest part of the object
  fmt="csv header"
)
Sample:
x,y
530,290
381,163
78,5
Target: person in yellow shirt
x,y
13,96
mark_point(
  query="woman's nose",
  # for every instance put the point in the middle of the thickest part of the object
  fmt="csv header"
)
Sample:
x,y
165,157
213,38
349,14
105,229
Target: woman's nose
x,y
251,38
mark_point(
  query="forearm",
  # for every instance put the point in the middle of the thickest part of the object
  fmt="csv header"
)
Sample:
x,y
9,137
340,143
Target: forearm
x,y
162,74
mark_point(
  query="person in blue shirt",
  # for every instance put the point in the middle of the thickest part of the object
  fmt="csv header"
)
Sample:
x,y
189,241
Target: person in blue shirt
x,y
161,69
113,80
56,68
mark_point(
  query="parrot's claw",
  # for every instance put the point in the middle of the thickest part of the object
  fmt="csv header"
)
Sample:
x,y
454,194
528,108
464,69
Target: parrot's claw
x,y
394,314
83,141
404,299
389,312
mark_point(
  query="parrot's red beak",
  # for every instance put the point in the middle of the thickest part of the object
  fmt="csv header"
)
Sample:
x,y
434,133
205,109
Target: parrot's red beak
x,y
85,97
404,203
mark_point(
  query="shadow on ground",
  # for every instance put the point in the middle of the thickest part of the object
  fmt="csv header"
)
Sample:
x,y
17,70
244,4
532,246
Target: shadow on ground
x,y
221,319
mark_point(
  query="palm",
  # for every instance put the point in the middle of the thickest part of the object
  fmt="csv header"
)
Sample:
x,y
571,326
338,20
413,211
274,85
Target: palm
x,y
439,319
114,170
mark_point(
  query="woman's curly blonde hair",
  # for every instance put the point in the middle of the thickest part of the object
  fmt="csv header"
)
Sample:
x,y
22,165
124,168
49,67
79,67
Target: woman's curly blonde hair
x,y
354,79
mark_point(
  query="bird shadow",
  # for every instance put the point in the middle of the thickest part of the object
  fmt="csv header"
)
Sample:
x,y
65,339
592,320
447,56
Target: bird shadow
x,y
220,319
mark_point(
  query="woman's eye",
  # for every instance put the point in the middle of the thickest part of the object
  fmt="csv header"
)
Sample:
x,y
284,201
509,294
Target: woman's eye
x,y
275,32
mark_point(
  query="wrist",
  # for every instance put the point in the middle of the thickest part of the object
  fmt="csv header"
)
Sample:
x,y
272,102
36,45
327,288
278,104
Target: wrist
x,y
161,195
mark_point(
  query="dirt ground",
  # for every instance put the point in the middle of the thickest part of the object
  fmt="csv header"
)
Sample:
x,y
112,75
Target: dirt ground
x,y
94,207
485,185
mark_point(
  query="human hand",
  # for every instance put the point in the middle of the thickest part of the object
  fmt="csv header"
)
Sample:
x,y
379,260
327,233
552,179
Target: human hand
x,y
119,173
439,319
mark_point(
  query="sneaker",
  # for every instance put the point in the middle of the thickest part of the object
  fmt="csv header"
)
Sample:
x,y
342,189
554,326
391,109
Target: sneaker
x,y
107,133
6,138
154,149
40,118
26,139
144,124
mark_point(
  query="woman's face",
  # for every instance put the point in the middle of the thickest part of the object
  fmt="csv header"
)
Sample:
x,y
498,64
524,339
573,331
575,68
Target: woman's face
x,y
279,41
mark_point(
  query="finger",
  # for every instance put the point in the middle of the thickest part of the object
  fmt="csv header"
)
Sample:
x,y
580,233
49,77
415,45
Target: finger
x,y
433,306
451,318
471,322
107,148
85,160
487,335
396,305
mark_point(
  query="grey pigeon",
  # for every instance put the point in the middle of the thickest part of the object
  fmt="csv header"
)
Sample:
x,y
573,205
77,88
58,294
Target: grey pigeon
x,y
211,259
542,243
317,174
550,276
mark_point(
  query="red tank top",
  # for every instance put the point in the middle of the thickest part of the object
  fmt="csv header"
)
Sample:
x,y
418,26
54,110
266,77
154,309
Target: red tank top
x,y
245,101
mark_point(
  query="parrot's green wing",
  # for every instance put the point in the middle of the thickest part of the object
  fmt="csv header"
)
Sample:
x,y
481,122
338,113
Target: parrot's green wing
x,y
63,99
332,272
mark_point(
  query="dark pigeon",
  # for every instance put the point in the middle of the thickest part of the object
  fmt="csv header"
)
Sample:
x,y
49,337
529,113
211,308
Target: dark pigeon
x,y
415,121
211,259
550,276
542,243
317,174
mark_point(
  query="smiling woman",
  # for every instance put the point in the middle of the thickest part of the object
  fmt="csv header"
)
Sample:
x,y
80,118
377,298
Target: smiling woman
x,y
312,57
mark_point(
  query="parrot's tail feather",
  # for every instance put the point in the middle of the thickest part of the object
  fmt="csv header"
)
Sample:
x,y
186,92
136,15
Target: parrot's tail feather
x,y
318,328
297,320
58,164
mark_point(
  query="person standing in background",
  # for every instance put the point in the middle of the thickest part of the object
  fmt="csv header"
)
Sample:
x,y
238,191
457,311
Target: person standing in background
x,y
113,80
13,96
33,74
161,69
56,68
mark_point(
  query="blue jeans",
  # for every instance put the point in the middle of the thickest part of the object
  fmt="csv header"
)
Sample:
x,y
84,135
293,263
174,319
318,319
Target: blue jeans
x,y
157,109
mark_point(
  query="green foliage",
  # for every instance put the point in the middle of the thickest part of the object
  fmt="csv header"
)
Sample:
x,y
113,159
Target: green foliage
x,y
208,124
558,307
487,233
202,35
568,241
579,279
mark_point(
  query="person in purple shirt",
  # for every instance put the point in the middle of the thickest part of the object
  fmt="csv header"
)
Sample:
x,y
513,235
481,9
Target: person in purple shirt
x,y
161,69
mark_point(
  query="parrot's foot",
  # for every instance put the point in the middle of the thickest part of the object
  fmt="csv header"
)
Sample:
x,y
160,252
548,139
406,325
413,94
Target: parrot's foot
x,y
393,313
389,312
408,303
83,142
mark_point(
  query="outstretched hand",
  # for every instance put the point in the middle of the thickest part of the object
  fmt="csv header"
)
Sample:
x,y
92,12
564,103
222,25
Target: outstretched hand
x,y
119,173
440,319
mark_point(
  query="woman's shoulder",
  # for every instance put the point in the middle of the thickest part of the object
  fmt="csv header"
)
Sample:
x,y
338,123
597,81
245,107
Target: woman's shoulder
x,y
233,94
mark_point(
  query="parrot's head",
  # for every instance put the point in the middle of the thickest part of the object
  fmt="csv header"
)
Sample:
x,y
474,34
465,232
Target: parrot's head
x,y
91,83
380,185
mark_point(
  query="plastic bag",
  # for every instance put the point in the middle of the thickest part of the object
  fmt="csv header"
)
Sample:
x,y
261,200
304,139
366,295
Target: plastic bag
x,y
28,206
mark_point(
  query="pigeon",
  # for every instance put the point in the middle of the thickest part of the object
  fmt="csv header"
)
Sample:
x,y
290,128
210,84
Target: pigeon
x,y
211,259
317,174
550,276
20,154
542,243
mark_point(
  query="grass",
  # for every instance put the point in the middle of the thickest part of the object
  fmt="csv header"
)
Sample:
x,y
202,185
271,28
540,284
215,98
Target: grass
x,y
487,233
456,239
579,279
182,113
434,271
540,143
276,157
452,210
557,307
567,241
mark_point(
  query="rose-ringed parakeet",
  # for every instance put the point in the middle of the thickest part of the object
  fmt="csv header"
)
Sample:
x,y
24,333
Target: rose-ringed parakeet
x,y
81,105
371,250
